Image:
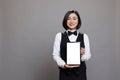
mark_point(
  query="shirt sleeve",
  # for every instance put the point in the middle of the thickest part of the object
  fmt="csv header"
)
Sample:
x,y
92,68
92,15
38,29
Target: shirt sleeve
x,y
87,55
56,51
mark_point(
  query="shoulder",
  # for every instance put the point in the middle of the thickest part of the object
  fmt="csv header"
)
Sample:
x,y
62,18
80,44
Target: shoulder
x,y
85,36
58,36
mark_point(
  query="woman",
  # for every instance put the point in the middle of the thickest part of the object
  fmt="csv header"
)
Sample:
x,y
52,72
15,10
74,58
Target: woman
x,y
71,23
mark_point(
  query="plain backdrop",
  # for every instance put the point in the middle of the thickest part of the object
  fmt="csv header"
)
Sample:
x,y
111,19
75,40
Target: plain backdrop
x,y
28,29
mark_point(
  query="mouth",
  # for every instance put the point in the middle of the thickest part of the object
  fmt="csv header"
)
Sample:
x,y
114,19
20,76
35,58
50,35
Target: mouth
x,y
71,24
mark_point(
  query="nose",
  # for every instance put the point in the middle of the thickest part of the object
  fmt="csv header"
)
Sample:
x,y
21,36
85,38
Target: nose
x,y
71,20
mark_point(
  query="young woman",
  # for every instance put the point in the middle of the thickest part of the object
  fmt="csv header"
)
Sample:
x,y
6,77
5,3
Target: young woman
x,y
71,23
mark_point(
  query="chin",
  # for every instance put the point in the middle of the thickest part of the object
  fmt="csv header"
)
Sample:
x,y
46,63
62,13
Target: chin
x,y
72,27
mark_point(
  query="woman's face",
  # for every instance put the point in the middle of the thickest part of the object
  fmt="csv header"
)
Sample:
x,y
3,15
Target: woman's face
x,y
72,21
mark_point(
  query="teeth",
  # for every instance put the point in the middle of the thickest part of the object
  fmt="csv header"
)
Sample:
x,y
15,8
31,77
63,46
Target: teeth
x,y
71,24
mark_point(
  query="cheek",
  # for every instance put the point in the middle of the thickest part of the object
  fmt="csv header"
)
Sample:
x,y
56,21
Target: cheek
x,y
68,22
76,22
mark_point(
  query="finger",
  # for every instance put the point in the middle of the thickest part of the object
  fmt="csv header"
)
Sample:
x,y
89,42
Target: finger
x,y
73,66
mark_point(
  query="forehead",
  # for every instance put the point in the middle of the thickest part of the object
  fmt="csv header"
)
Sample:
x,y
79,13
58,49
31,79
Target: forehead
x,y
72,15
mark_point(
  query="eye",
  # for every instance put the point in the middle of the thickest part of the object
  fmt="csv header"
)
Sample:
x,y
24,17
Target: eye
x,y
74,18
68,18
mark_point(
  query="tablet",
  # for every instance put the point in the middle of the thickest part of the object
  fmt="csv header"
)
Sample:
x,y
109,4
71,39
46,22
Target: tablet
x,y
73,53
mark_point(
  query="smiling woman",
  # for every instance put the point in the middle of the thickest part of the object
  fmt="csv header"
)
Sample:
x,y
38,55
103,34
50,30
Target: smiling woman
x,y
71,23
28,27
70,18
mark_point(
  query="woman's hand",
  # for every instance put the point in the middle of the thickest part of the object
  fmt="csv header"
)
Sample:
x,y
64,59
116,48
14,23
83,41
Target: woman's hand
x,y
82,51
70,66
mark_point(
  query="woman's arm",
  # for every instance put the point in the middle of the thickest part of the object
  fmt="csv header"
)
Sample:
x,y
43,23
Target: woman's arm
x,y
56,51
87,55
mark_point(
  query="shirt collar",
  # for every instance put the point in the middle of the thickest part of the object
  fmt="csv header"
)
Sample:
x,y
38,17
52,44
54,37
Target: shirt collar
x,y
72,31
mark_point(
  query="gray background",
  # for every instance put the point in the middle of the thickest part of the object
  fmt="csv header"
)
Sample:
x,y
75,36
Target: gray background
x,y
26,52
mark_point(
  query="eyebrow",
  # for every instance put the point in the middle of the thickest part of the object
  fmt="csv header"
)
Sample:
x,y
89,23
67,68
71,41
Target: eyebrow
x,y
73,17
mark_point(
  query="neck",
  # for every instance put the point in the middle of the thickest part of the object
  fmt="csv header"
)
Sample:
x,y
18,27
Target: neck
x,y
72,30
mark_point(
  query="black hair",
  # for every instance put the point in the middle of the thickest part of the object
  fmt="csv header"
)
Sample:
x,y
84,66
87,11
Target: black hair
x,y
66,18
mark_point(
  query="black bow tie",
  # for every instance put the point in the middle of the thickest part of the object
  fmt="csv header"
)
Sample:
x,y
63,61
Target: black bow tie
x,y
69,33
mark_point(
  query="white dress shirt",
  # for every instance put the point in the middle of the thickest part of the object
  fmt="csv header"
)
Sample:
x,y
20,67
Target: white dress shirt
x,y
72,38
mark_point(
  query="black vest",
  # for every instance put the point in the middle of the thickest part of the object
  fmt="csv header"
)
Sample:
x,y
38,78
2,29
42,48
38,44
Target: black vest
x,y
65,39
